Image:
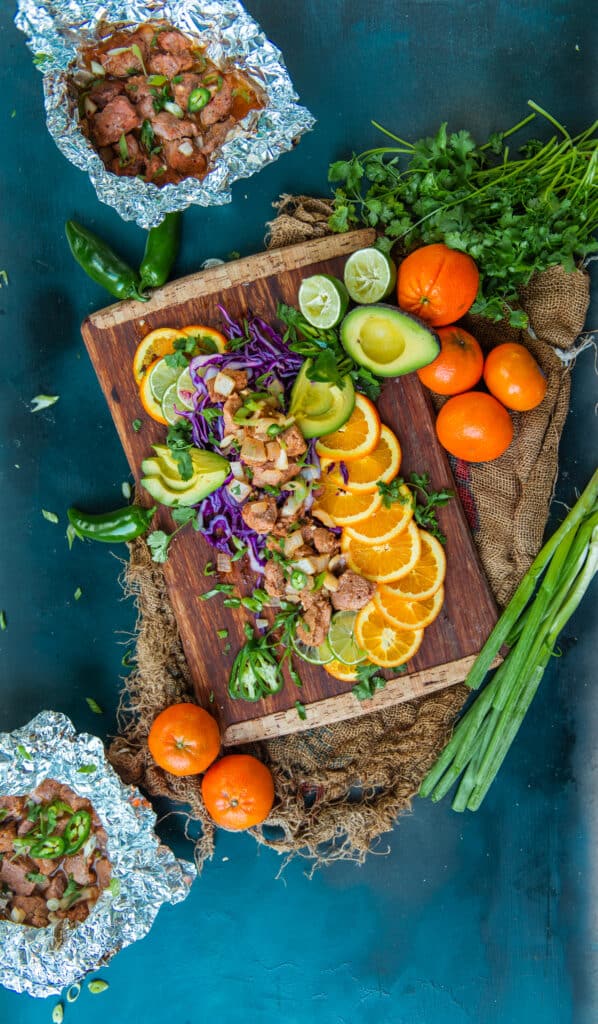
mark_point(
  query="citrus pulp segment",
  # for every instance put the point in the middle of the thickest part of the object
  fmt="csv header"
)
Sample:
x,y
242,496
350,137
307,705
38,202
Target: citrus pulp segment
x,y
386,645
152,407
323,300
407,612
156,344
170,404
387,562
382,464
370,275
358,437
427,575
387,523
341,639
343,507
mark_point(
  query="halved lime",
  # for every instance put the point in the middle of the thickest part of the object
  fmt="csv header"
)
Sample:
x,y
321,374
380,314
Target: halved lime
x,y
341,639
369,275
323,300
185,390
169,401
314,655
161,377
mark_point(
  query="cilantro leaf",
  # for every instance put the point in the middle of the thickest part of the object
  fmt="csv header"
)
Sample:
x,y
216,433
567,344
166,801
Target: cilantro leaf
x,y
158,542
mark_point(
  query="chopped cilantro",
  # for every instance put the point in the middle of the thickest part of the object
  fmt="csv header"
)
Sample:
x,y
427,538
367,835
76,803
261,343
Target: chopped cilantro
x,y
50,516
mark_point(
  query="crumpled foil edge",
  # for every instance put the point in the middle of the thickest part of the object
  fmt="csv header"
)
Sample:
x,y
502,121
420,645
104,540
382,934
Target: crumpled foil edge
x,y
43,961
57,28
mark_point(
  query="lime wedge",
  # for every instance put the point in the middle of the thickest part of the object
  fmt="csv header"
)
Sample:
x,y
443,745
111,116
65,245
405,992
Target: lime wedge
x,y
341,639
323,300
169,401
161,377
314,655
370,276
185,390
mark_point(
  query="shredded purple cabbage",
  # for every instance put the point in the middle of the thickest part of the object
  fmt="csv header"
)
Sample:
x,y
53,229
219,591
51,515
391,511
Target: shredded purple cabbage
x,y
264,355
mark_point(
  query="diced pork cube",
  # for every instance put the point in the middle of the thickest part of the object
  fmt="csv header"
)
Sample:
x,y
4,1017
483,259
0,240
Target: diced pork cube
x,y
219,106
167,126
274,581
34,908
294,441
169,64
260,515
117,118
353,592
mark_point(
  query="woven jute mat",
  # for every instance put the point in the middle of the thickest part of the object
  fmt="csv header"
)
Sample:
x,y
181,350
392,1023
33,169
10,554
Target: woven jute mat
x,y
340,787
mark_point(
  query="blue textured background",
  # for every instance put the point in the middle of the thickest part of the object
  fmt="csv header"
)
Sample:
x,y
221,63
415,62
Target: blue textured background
x,y
485,918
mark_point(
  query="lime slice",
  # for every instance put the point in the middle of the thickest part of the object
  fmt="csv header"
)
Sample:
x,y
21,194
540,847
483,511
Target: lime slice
x,y
369,275
341,639
161,377
314,655
323,300
185,390
169,401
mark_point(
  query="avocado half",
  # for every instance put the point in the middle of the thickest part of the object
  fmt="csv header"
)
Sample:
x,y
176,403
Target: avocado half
x,y
319,407
388,341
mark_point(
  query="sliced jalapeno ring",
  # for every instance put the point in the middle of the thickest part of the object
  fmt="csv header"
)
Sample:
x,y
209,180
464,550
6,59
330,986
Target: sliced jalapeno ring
x,y
49,848
77,831
198,99
298,579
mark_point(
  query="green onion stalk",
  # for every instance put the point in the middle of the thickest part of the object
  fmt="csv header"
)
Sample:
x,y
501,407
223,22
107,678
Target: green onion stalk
x,y
530,625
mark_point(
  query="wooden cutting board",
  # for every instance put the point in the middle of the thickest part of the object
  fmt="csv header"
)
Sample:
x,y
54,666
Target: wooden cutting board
x,y
256,284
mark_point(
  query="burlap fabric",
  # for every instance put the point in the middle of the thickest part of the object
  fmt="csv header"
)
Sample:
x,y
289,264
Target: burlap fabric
x,y
339,788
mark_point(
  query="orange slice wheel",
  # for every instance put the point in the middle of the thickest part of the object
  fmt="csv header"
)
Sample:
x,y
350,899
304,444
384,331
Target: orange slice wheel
x,y
384,562
156,344
358,437
363,475
387,645
386,523
336,506
346,673
206,337
407,613
427,575
152,407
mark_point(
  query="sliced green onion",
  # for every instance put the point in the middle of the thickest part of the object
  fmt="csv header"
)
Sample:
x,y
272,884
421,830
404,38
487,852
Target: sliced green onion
x,y
173,108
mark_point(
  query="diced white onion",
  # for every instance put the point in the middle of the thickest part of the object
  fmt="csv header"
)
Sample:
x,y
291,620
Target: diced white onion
x,y
97,69
90,106
237,470
311,565
227,441
330,582
90,846
173,108
238,490
292,543
224,385
223,562
282,462
17,915
337,561
186,148
262,623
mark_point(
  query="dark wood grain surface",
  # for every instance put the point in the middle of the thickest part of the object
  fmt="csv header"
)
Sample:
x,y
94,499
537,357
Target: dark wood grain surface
x,y
256,284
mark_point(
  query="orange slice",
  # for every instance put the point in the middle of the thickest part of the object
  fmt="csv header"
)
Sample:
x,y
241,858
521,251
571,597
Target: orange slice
x,y
156,344
386,562
200,332
336,506
363,474
386,523
387,645
427,575
346,673
357,437
407,613
152,407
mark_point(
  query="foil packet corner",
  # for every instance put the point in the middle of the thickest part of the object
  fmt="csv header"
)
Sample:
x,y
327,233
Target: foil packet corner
x,y
56,29
44,961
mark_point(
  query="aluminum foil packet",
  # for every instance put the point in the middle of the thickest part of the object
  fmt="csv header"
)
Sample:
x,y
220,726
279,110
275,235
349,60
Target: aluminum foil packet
x,y
145,874
57,29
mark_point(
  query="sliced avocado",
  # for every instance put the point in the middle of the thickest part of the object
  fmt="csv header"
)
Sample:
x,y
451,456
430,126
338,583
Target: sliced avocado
x,y
165,484
388,341
200,487
319,407
158,468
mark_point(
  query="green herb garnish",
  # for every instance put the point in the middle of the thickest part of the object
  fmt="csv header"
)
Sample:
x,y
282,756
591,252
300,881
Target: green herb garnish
x,y
51,517
425,508
94,706
43,402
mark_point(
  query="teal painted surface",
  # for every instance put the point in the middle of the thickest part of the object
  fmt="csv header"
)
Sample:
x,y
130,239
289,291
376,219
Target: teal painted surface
x,y
483,919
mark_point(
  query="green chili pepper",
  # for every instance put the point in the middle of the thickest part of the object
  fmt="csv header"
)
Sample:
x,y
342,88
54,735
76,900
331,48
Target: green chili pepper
x,y
198,99
77,831
298,579
122,524
102,264
49,848
214,79
160,251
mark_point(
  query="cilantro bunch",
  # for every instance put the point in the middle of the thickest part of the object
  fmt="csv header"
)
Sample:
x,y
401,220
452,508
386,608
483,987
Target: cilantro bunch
x,y
514,216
